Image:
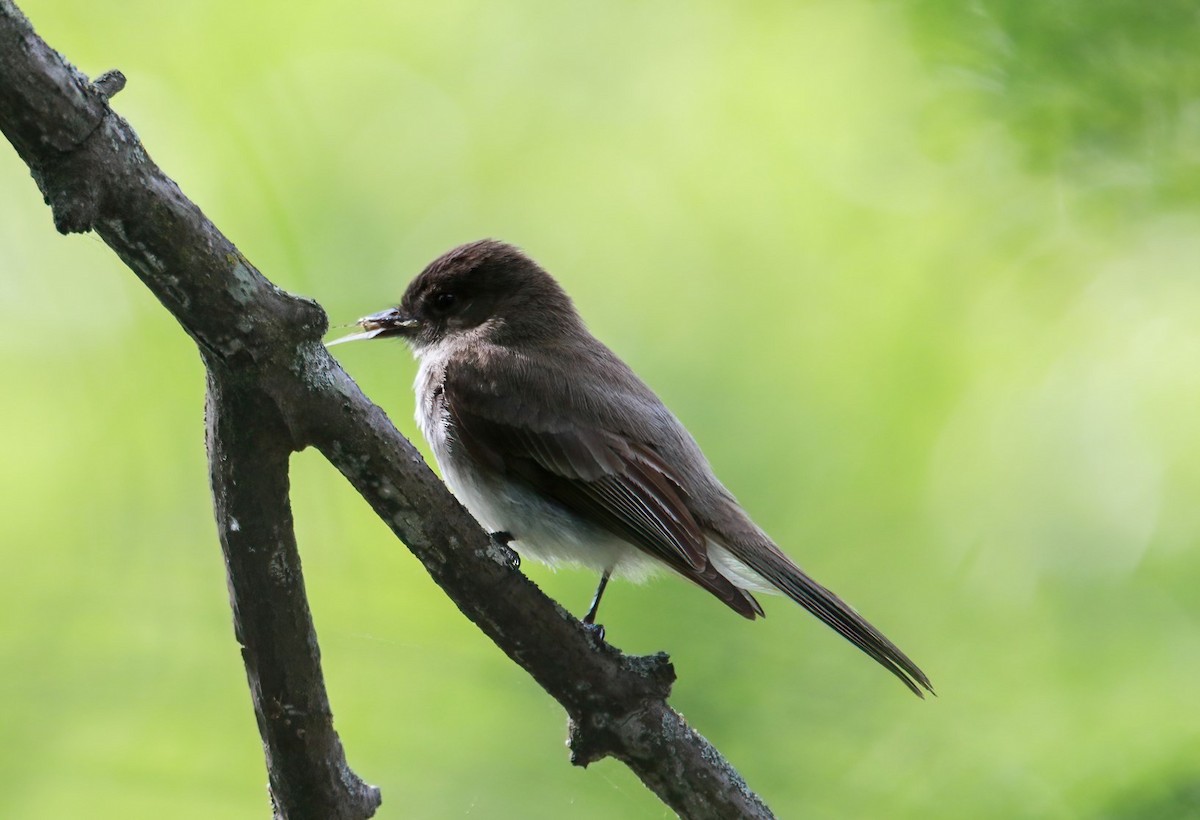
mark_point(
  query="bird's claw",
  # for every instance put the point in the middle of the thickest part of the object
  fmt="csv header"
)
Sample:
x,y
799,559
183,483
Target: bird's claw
x,y
501,540
595,630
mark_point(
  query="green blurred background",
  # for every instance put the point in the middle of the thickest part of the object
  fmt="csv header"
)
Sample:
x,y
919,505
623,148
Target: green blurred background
x,y
921,278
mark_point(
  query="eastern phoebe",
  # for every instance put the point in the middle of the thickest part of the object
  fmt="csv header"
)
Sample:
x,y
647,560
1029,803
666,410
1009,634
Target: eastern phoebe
x,y
555,445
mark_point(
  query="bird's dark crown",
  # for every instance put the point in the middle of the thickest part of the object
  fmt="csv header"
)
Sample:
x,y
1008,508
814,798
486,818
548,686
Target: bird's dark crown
x,y
491,282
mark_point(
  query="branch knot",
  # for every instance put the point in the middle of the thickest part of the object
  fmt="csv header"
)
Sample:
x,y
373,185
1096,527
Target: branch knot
x,y
612,724
110,83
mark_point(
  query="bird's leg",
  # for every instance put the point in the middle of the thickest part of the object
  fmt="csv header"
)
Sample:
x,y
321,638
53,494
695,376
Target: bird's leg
x,y
502,540
590,617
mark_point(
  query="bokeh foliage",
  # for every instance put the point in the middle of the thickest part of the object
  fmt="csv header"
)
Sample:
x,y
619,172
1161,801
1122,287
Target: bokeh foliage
x,y
921,277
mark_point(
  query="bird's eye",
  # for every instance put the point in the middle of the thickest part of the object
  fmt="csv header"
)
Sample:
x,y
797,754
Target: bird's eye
x,y
443,301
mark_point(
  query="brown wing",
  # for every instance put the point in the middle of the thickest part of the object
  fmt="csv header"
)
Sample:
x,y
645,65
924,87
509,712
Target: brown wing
x,y
600,475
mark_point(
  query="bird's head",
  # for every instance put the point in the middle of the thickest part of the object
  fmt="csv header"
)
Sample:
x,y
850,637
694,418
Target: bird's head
x,y
485,289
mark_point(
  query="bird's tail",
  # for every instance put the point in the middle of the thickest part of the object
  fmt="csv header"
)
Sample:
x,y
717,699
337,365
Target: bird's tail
x,y
777,569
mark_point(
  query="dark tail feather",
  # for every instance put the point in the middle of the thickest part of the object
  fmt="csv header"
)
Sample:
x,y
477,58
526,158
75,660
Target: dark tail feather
x,y
844,620
734,597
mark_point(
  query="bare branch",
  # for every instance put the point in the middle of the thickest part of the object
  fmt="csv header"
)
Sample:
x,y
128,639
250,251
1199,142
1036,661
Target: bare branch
x,y
269,375
248,456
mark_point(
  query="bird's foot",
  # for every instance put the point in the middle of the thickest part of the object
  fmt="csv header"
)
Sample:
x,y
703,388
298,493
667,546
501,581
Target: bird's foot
x,y
594,630
501,540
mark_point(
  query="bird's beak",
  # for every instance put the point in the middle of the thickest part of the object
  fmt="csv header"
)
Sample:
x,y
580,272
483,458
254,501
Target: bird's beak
x,y
390,322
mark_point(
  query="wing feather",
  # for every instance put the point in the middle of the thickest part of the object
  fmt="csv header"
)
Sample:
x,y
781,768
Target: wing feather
x,y
599,474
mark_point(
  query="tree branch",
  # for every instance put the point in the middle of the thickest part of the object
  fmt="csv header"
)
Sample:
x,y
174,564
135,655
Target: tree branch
x,y
270,377
248,449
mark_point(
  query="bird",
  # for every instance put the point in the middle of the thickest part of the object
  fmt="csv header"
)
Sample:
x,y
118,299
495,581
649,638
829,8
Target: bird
x,y
562,452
